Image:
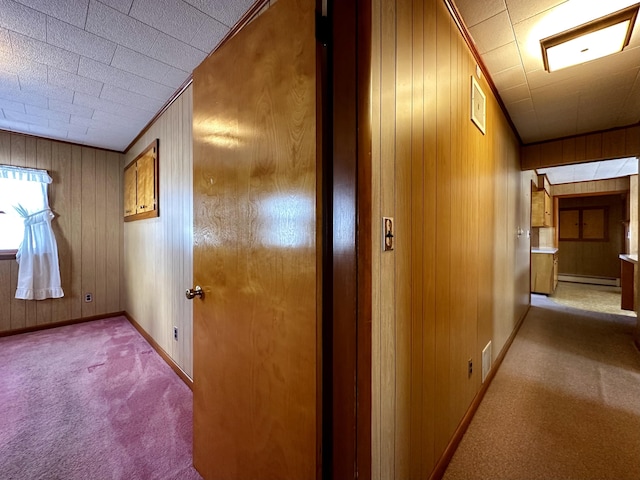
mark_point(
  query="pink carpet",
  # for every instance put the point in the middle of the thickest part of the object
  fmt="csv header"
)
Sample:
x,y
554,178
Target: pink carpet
x,y
91,401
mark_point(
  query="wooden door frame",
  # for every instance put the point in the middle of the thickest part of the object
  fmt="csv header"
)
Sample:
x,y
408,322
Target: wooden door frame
x,y
347,239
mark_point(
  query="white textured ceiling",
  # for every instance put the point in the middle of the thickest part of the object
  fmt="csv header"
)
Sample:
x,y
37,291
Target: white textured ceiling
x,y
597,95
586,172
96,72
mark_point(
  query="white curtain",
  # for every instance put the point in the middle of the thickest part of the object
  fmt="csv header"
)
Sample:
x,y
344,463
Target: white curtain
x,y
38,271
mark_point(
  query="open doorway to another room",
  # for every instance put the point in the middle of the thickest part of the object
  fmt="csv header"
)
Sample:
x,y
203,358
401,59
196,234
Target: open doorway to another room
x,y
593,232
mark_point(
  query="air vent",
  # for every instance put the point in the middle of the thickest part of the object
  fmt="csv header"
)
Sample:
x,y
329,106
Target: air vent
x,y
486,361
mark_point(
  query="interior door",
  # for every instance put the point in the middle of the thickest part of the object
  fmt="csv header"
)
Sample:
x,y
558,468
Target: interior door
x,y
256,254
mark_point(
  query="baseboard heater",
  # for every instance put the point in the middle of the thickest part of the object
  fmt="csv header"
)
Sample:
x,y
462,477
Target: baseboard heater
x,y
610,281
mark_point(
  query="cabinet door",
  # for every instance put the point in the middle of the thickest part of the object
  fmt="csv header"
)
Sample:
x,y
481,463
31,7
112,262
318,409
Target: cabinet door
x,y
537,208
593,224
548,209
146,183
569,224
130,190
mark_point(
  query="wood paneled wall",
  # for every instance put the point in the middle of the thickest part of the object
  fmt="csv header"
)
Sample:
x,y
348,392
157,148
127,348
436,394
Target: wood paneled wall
x,y
590,188
632,241
459,274
86,197
158,264
595,258
615,143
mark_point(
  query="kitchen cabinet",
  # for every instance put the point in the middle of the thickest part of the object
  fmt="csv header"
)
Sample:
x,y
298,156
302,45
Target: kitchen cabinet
x,y
141,185
541,208
544,271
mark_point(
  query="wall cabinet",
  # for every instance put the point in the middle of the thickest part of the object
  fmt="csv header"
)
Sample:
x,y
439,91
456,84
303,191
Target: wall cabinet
x,y
141,185
544,272
541,208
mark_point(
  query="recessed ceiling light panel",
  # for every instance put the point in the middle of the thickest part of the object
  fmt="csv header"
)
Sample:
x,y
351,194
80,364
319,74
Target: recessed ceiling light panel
x,y
598,38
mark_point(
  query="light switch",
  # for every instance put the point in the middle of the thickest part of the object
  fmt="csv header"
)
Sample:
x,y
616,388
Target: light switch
x,y
388,233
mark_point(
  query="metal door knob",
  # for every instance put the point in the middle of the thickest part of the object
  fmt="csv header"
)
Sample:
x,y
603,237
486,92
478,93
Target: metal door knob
x,y
194,292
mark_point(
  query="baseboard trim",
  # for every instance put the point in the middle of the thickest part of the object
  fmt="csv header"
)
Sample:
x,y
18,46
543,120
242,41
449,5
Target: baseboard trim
x,y
609,281
165,356
445,458
46,326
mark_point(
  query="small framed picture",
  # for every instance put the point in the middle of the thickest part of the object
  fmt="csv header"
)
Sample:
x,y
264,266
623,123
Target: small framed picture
x,y
478,106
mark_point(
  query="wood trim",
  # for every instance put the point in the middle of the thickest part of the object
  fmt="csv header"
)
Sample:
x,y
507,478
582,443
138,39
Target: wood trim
x,y
165,356
592,194
8,254
244,20
364,241
457,18
579,135
442,464
66,323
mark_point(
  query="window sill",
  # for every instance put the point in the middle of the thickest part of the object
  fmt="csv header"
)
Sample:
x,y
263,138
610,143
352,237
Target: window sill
x,y
8,254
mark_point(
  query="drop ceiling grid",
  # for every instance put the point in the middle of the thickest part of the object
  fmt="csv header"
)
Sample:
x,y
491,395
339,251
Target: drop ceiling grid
x,y
96,72
589,97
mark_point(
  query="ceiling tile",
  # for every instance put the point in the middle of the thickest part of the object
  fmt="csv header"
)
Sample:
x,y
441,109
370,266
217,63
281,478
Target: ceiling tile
x,y
69,11
25,118
46,131
521,107
11,105
5,42
9,80
147,67
515,94
493,32
23,68
47,90
209,35
173,17
27,98
58,106
79,41
107,106
23,20
125,80
475,12
71,129
120,28
44,53
123,6
225,11
74,82
122,121
509,78
1,113
169,50
502,58
522,9
124,97
46,113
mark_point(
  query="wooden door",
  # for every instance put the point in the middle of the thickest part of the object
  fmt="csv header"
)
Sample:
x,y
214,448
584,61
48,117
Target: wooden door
x,y
256,253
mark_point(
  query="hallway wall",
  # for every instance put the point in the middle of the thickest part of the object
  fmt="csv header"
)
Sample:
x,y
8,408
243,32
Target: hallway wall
x,y
158,263
459,274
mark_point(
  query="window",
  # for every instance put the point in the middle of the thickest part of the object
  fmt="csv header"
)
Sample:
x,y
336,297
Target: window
x,y
12,194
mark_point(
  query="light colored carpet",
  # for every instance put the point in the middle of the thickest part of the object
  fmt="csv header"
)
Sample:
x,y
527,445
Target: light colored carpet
x,y
564,405
595,298
92,401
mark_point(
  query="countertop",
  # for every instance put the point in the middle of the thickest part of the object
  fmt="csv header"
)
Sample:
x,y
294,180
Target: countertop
x,y
544,250
629,258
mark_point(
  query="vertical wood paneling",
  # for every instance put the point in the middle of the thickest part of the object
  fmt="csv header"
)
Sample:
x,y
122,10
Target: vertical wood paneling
x,y
78,248
458,264
157,256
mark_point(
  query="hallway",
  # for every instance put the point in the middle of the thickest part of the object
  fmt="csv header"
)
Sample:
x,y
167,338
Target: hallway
x,y
565,403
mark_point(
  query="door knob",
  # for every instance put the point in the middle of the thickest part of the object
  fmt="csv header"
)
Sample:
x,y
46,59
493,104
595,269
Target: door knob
x,y
194,292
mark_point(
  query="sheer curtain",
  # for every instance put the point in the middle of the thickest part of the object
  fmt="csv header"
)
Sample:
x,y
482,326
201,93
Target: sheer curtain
x,y
38,272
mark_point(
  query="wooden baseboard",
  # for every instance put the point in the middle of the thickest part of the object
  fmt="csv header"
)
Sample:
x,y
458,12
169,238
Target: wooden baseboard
x,y
443,462
47,326
165,356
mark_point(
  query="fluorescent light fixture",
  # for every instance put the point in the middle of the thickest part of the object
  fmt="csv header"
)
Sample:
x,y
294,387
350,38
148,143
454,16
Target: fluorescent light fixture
x,y
598,38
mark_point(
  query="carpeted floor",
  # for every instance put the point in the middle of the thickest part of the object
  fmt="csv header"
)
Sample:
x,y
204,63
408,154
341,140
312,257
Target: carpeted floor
x,y
564,405
91,401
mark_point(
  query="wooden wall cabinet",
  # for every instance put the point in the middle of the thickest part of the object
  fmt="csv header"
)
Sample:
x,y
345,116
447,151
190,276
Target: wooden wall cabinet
x,y
141,177
541,208
544,272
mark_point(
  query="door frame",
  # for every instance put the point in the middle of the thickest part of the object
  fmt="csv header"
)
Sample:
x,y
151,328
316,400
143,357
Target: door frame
x,y
347,239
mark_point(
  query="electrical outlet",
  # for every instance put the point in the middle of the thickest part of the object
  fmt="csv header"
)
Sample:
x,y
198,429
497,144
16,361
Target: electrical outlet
x,y
88,297
470,367
175,333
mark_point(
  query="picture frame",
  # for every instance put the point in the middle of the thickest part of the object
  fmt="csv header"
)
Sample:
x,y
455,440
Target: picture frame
x,y
478,106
